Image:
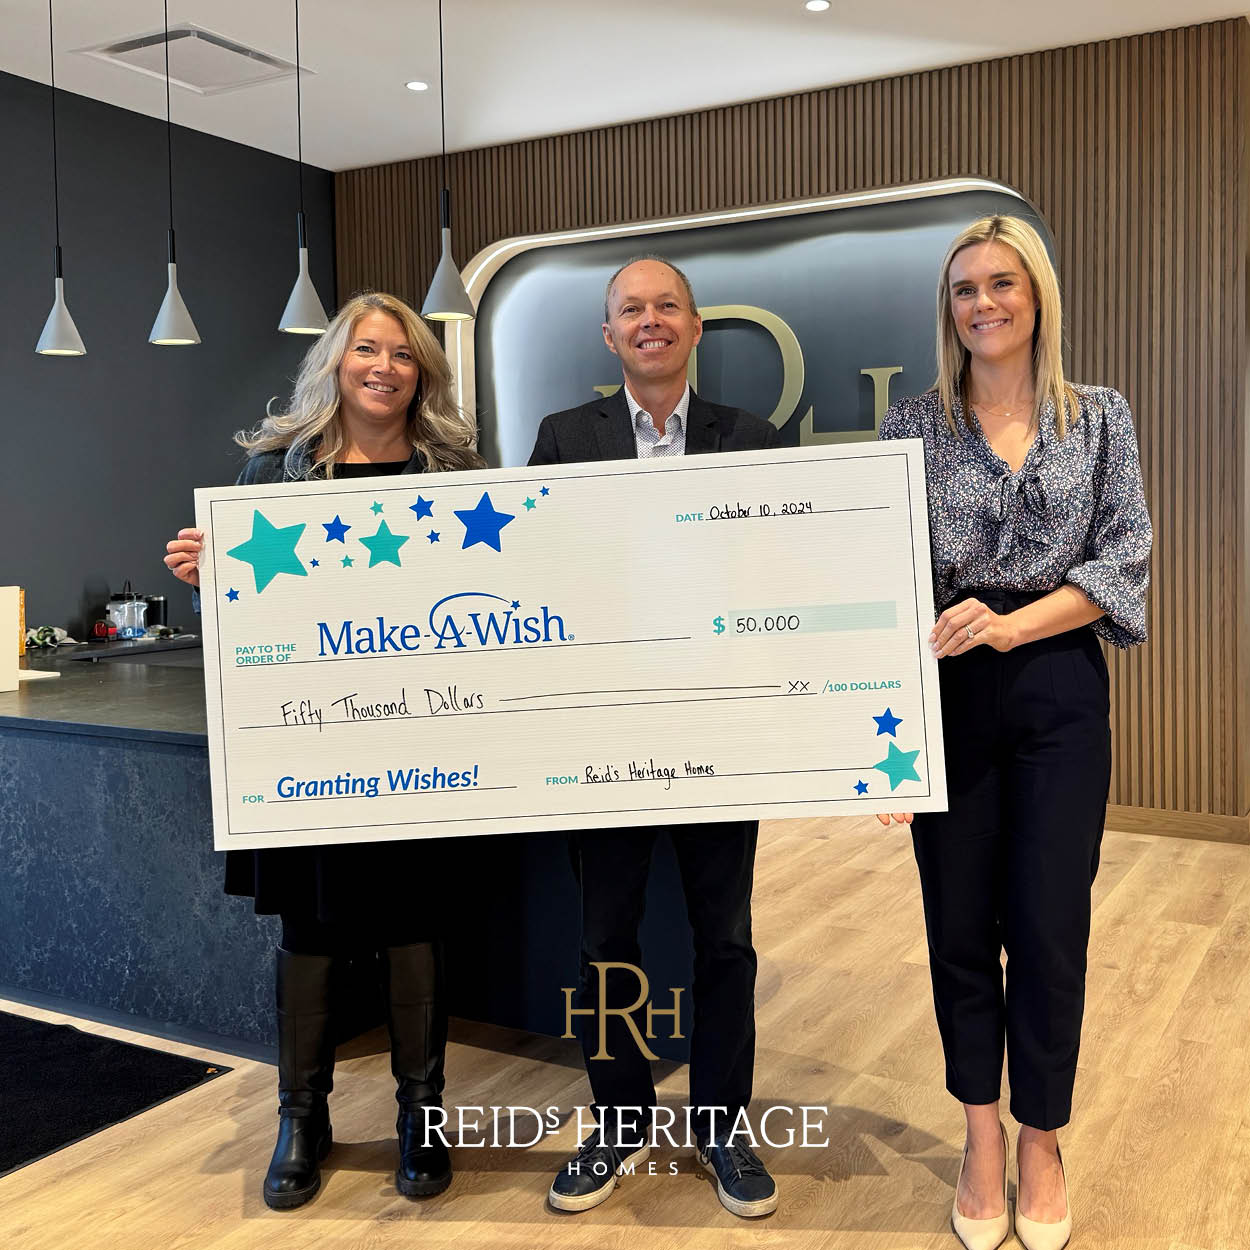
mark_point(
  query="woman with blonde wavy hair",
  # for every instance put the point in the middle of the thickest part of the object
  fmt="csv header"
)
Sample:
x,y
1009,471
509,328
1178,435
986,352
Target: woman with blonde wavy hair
x,y
1041,547
328,411
373,396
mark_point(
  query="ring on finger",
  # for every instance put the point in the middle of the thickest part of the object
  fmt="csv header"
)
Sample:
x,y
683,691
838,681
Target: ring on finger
x,y
970,632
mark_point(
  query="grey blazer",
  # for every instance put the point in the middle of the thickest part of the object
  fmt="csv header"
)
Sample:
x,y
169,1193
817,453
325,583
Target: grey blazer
x,y
602,430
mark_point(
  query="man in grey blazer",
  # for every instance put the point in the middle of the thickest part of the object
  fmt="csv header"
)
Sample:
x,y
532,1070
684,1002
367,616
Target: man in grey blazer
x,y
651,323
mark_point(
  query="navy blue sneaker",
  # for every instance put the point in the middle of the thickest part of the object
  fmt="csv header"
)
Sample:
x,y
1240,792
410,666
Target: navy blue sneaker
x,y
742,1181
589,1177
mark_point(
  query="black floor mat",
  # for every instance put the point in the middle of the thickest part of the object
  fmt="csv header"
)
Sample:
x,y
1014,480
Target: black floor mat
x,y
59,1084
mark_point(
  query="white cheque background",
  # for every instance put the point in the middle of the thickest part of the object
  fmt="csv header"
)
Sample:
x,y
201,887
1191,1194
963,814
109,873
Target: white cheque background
x,y
769,722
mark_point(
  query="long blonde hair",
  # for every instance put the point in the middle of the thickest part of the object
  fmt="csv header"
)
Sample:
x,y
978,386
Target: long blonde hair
x,y
1049,384
310,428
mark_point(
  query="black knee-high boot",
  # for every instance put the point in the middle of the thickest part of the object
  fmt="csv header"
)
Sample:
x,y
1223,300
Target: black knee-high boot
x,y
305,1077
417,1016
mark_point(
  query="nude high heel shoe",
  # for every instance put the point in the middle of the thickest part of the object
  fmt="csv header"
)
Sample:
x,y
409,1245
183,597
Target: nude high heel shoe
x,y
985,1234
1036,1235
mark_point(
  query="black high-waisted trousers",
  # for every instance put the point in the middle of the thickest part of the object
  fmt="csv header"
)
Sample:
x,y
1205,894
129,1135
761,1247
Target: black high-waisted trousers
x,y
1010,865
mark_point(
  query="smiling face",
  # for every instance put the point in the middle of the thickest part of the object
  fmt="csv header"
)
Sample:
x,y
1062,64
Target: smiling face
x,y
993,303
378,374
651,325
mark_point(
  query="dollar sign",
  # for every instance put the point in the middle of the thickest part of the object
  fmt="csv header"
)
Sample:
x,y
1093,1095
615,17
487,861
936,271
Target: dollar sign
x,y
719,624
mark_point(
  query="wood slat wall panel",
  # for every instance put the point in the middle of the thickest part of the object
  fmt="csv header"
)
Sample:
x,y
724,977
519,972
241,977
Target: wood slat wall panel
x,y
1132,149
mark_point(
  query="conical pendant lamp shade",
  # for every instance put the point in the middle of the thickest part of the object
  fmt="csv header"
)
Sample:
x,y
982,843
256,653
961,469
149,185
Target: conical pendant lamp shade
x,y
303,313
173,326
60,335
447,299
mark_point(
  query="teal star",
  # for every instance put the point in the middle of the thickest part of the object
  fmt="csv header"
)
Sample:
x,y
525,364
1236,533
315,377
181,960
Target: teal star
x,y
529,505
375,508
270,551
348,562
384,546
899,766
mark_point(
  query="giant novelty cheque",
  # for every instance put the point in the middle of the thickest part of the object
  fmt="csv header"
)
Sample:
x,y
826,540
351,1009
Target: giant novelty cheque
x,y
571,647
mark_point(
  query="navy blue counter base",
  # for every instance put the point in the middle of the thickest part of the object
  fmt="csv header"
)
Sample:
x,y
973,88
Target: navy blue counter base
x,y
112,894
112,891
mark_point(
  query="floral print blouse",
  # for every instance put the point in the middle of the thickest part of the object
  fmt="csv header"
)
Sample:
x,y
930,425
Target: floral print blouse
x,y
1075,512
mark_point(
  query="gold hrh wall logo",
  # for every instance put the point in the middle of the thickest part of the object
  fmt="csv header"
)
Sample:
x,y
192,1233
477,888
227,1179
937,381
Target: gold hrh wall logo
x,y
601,1011
816,313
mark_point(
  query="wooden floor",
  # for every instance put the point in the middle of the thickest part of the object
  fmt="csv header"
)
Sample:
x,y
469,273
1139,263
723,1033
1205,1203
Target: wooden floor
x,y
1158,1152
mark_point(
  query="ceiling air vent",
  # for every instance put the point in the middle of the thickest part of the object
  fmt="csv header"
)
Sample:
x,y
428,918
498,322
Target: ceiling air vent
x,y
199,60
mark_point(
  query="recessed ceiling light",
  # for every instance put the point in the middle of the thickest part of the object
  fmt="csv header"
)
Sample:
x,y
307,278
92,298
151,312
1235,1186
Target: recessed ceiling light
x,y
417,85
816,6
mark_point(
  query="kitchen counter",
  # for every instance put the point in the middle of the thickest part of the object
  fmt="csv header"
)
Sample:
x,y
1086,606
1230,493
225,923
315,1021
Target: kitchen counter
x,y
158,697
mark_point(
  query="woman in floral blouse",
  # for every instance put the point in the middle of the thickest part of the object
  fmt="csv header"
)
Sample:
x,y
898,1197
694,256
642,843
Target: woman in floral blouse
x,y
1041,546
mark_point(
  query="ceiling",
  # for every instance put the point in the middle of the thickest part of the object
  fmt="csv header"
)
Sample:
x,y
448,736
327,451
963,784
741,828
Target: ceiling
x,y
518,70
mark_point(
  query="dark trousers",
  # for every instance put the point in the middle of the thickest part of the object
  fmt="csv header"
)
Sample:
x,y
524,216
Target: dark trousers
x,y
1010,865
717,863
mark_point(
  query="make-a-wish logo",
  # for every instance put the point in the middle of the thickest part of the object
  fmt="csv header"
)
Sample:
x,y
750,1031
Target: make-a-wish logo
x,y
477,621
466,619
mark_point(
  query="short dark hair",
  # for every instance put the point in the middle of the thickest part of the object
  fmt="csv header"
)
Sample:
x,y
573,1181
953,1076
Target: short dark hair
x,y
633,260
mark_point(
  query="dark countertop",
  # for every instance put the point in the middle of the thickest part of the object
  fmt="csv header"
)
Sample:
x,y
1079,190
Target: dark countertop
x,y
157,698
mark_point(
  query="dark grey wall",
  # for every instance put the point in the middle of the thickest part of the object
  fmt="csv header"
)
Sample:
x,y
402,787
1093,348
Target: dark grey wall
x,y
102,452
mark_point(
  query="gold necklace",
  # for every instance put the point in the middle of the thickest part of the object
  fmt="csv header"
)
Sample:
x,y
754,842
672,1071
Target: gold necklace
x,y
1007,412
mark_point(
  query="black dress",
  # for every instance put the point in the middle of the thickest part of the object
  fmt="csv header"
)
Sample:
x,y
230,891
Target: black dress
x,y
377,886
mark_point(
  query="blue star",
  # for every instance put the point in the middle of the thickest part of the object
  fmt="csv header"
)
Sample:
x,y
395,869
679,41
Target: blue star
x,y
530,505
316,564
232,594
887,723
899,766
432,536
375,507
483,523
423,507
335,529
861,787
544,491
384,546
515,605
270,551
348,562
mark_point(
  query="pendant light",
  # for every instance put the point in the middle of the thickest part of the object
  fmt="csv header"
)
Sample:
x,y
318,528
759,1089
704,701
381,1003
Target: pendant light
x,y
60,335
303,313
173,326
446,300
